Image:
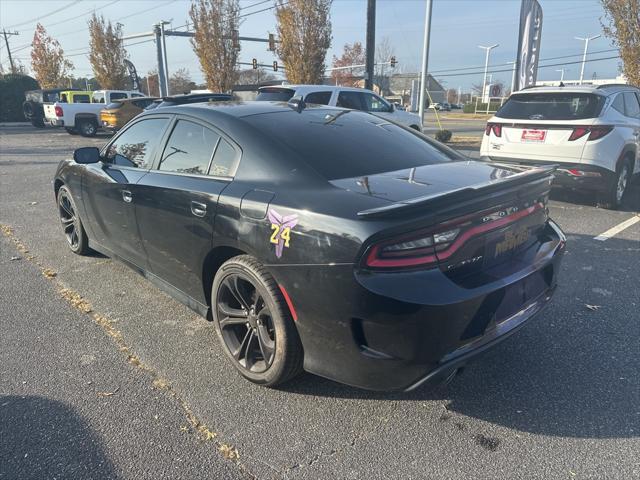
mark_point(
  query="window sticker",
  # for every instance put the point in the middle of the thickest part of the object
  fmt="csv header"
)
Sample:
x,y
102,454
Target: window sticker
x,y
281,227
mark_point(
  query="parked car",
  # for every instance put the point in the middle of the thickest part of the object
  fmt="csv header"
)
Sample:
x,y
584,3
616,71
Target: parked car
x,y
189,98
83,117
34,100
445,107
592,132
346,97
456,106
117,114
435,106
319,237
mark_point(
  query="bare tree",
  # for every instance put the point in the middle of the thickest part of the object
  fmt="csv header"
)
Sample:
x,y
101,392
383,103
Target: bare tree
x,y
48,63
216,24
623,28
107,53
304,28
180,81
384,52
352,54
254,76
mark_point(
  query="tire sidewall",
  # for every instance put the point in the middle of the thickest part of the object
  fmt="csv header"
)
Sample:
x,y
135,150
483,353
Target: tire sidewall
x,y
87,128
82,236
279,318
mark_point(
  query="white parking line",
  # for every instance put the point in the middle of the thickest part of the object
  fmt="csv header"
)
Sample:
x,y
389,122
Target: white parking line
x,y
618,228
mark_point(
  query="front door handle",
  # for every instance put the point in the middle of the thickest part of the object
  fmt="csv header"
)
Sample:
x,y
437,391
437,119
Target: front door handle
x,y
127,196
198,209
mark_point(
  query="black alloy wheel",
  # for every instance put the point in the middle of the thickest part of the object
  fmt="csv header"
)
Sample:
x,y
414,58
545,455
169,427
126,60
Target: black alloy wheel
x,y
88,128
71,224
253,322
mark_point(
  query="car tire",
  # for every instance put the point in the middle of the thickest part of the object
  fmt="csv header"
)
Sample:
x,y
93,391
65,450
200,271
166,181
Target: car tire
x,y
254,324
619,185
71,131
87,127
71,224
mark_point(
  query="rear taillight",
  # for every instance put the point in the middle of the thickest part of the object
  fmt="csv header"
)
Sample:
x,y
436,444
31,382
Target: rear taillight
x,y
496,128
425,248
595,132
58,110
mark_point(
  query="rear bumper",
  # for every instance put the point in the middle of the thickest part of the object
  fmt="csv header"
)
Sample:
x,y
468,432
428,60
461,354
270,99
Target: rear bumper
x,y
577,176
398,331
56,123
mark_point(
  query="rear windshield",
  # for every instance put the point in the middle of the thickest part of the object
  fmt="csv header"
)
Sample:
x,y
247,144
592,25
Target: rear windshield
x,y
552,106
113,105
275,94
348,143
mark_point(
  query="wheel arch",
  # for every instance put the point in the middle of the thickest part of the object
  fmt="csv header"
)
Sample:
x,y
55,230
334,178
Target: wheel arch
x,y
212,263
628,152
85,116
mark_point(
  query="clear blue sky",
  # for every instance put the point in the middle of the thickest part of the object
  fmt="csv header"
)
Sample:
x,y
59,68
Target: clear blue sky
x,y
458,27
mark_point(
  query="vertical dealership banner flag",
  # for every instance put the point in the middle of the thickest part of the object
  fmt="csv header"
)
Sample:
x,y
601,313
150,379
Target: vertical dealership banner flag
x,y
133,75
528,44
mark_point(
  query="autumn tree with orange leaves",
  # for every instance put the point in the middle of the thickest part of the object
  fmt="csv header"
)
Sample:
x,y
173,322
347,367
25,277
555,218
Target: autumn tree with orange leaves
x,y
107,53
623,28
48,63
351,55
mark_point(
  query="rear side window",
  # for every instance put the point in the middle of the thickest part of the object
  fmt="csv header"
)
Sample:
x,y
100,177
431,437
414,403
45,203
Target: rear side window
x,y
189,149
347,143
320,98
81,99
631,105
552,106
275,94
142,103
352,100
618,104
117,95
136,145
224,160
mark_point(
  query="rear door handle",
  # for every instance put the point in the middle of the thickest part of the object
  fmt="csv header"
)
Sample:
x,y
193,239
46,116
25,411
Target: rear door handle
x,y
198,209
127,196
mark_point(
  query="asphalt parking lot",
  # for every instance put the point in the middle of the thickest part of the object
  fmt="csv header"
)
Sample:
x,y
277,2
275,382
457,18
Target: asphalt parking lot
x,y
104,376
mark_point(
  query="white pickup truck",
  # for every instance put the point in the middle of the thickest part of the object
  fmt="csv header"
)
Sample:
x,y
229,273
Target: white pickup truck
x,y
83,118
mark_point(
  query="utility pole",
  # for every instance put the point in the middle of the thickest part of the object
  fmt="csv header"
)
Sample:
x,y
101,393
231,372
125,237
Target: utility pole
x,y
371,43
425,61
164,55
6,41
486,67
586,41
513,75
162,80
561,70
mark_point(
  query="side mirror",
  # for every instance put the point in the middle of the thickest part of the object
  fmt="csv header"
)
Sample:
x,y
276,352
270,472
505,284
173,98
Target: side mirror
x,y
392,107
86,155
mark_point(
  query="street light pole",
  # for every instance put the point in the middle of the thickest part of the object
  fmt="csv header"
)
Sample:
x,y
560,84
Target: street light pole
x,y
486,67
561,70
425,61
586,41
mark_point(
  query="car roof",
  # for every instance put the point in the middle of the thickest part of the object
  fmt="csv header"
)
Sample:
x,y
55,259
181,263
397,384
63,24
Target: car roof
x,y
135,99
316,88
606,89
237,109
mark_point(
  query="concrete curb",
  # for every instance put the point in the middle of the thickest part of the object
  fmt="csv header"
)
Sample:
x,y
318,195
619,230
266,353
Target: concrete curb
x,y
14,124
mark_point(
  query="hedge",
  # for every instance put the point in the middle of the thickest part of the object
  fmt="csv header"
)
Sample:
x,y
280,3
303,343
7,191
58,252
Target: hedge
x,y
482,107
12,88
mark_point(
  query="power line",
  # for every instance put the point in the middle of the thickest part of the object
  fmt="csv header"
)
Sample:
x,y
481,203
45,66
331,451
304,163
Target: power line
x,y
540,66
263,10
93,10
46,15
254,4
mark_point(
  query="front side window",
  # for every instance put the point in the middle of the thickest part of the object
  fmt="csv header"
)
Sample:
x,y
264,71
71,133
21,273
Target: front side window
x,y
81,99
275,94
189,149
374,103
98,98
319,98
352,100
136,145
142,103
631,105
118,95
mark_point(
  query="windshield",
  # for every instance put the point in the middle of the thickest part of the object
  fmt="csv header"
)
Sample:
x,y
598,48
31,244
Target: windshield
x,y
552,106
113,105
275,94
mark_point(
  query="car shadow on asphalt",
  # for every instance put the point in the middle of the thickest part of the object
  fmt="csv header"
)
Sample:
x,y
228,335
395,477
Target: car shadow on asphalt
x,y
44,438
630,202
571,371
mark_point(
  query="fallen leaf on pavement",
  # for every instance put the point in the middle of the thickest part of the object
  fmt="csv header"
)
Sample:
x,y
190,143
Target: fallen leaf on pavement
x,y
592,307
108,394
47,272
13,259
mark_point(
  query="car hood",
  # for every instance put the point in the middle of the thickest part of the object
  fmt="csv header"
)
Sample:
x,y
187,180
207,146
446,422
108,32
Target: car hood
x,y
426,180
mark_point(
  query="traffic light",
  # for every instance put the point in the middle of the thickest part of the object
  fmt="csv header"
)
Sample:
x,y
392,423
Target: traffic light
x,y
272,42
393,62
254,62
275,66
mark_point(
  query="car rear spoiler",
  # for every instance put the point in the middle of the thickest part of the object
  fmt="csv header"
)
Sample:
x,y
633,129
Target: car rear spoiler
x,y
527,174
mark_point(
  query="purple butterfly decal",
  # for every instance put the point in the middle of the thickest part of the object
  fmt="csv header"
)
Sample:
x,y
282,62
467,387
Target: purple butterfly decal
x,y
280,225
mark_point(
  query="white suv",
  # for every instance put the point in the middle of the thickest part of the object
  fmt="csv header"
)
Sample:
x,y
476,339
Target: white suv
x,y
593,133
346,97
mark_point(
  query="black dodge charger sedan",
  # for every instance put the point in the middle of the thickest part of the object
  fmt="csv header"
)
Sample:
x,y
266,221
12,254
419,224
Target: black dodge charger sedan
x,y
319,238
